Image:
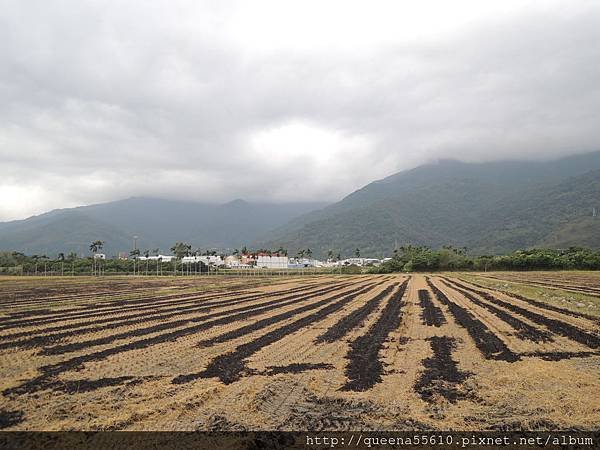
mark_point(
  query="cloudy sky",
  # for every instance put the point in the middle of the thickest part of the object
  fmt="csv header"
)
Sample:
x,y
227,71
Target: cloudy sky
x,y
281,101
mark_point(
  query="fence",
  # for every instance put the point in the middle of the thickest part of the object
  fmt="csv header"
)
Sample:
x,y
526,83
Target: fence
x,y
172,269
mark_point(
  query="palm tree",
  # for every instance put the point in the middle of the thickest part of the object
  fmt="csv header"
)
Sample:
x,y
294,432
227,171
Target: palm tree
x,y
61,258
147,255
330,255
134,254
181,249
155,252
94,247
357,252
308,253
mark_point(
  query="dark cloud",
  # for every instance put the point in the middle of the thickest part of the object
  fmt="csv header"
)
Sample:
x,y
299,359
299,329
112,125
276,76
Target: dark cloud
x,y
104,100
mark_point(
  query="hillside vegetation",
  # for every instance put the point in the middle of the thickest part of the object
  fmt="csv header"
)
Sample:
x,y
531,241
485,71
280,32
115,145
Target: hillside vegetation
x,y
489,208
158,224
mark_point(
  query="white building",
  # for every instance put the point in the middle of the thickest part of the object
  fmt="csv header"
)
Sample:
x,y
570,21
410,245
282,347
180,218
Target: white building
x,y
298,263
99,256
212,260
272,262
232,261
361,262
209,260
163,258
371,262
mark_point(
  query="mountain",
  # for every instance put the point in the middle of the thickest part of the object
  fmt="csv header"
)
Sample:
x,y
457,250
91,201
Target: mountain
x,y
491,207
158,223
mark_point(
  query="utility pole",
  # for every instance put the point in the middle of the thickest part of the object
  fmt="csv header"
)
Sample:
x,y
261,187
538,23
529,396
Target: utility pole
x,y
135,238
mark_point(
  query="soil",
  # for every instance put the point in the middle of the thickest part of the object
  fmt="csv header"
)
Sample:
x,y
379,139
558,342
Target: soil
x,y
431,316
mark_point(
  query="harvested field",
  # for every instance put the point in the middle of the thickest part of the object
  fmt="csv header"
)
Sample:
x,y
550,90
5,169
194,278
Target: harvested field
x,y
330,352
365,368
441,376
432,315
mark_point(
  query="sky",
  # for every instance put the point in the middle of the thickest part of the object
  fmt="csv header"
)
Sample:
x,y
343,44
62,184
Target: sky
x,y
279,101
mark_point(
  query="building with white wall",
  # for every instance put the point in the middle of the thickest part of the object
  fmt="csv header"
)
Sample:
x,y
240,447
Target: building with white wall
x,y
272,262
163,258
209,260
360,262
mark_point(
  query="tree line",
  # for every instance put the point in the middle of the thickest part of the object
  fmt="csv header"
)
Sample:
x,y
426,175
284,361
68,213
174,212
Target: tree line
x,y
424,259
408,258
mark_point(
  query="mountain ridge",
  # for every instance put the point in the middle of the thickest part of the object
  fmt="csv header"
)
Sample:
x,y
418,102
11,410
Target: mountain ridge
x,y
492,207
158,223
453,202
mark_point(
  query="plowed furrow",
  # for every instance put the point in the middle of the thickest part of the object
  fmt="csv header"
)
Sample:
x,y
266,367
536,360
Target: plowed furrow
x,y
134,306
48,335
524,330
355,319
441,377
541,305
490,345
575,289
50,371
365,368
249,311
43,316
231,367
260,324
432,315
556,326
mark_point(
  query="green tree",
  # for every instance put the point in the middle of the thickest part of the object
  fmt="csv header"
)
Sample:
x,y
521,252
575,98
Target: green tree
x,y
181,249
95,246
